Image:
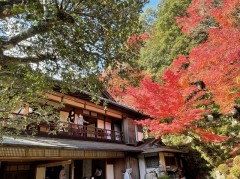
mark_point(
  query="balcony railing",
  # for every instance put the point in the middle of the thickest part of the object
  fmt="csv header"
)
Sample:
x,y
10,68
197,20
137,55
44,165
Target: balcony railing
x,y
74,131
64,130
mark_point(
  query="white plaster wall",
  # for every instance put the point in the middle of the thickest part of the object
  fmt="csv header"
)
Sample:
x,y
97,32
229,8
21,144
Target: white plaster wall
x,y
110,171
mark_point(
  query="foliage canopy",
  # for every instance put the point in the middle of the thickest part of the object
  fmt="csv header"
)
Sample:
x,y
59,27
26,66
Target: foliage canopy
x,y
72,41
166,41
200,84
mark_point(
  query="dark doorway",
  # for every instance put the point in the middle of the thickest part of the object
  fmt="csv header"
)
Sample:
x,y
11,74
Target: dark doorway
x,y
100,165
53,172
78,165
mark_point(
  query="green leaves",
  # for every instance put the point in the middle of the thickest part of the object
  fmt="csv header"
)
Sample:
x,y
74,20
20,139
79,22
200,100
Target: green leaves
x,y
166,39
65,42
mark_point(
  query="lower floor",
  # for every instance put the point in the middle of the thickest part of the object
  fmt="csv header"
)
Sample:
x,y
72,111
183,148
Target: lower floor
x,y
108,168
42,158
47,158
68,169
142,167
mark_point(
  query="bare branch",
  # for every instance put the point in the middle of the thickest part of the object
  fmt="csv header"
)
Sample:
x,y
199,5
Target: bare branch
x,y
61,5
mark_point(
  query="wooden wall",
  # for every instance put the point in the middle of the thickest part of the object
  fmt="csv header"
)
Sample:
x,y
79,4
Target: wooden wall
x,y
132,162
119,167
129,131
17,170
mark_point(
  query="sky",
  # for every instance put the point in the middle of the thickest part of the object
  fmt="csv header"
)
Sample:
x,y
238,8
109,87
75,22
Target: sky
x,y
152,3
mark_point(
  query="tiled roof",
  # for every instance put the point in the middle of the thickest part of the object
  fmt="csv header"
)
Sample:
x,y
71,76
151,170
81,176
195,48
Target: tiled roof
x,y
153,146
67,144
84,145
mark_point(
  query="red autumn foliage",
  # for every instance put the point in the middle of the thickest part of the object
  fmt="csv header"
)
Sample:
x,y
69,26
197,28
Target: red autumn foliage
x,y
176,103
136,40
167,103
117,83
217,63
225,14
207,136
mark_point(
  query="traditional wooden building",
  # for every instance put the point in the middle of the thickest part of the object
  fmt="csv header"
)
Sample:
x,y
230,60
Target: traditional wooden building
x,y
107,140
157,159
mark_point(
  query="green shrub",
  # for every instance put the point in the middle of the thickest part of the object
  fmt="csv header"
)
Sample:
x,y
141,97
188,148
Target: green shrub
x,y
235,171
236,160
164,177
223,168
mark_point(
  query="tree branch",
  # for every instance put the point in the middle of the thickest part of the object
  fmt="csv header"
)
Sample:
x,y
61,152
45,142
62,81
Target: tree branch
x,y
7,13
6,6
8,59
32,31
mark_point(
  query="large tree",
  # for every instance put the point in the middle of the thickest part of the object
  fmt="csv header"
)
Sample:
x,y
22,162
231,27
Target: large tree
x,y
71,41
205,82
197,99
166,40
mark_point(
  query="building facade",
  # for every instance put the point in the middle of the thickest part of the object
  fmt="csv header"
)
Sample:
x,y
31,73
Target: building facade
x,y
88,140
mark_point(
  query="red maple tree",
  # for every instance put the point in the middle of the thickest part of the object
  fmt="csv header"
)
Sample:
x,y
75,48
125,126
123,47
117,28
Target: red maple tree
x,y
117,84
177,102
216,62
225,13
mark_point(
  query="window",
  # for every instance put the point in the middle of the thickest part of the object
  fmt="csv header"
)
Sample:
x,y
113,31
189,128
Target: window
x,y
94,114
17,167
152,162
86,112
170,161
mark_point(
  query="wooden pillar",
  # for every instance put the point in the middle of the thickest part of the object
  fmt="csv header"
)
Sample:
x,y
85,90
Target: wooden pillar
x,y
142,166
87,168
162,161
40,173
72,169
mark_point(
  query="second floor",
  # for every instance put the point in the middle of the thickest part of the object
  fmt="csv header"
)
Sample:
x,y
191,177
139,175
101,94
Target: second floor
x,y
81,119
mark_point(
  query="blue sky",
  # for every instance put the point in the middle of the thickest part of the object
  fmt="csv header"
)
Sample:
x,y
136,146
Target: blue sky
x,y
152,3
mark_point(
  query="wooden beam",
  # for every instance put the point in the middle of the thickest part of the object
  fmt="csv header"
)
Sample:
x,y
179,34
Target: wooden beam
x,y
54,97
73,101
95,109
116,115
53,164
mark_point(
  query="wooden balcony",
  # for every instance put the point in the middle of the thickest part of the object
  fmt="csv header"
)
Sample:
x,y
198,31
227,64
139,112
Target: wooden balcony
x,y
64,130
73,131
